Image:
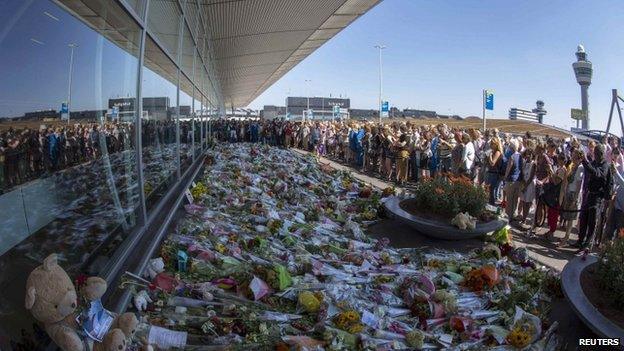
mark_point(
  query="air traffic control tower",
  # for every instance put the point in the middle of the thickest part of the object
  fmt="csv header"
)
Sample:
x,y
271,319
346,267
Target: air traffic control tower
x,y
583,71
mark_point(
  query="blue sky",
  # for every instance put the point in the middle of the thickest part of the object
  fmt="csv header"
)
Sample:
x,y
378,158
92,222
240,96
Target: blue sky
x,y
441,54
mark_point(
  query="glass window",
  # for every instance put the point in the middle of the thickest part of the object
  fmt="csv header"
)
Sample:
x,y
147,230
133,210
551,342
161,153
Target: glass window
x,y
68,181
186,123
158,127
197,78
163,21
188,51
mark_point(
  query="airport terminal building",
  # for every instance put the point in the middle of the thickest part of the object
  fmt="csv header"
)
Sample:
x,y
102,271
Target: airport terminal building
x,y
167,67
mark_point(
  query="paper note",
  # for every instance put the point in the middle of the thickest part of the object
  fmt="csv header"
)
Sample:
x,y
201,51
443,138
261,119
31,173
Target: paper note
x,y
166,339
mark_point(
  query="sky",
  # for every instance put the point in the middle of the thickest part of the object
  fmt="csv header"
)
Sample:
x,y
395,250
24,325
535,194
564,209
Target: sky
x,y
441,54
34,62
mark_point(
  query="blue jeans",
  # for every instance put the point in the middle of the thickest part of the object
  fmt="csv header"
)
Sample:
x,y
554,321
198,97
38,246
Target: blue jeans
x,y
415,161
493,181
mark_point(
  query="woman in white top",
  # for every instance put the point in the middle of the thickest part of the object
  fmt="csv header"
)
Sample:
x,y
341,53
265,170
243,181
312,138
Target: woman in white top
x,y
573,184
527,193
468,155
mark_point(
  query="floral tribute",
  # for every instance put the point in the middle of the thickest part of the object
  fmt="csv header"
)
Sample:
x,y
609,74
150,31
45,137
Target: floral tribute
x,y
276,258
448,196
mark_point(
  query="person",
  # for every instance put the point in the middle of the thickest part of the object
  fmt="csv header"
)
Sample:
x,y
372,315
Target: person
x,y
425,155
615,222
402,152
494,160
434,156
53,142
2,159
446,144
415,152
573,183
359,148
457,153
527,190
598,189
468,156
513,180
388,153
552,196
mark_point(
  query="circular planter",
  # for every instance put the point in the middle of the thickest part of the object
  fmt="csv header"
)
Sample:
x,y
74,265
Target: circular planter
x,y
437,229
571,284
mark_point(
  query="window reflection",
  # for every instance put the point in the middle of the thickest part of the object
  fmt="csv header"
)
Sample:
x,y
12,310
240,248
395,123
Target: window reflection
x,y
67,170
186,123
158,126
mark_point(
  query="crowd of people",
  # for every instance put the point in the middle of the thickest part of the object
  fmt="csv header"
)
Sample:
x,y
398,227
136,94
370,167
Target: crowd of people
x,y
563,182
27,154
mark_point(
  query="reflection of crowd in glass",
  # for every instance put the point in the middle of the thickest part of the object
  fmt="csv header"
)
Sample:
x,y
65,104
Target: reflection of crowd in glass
x,y
27,154
570,180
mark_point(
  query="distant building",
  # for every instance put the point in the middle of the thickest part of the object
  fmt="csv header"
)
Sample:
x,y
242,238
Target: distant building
x,y
418,114
40,115
157,108
271,112
526,115
363,113
242,113
322,107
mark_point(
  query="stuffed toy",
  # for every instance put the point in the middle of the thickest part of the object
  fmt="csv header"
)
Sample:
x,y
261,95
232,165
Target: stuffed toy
x,y
464,221
115,340
154,267
52,299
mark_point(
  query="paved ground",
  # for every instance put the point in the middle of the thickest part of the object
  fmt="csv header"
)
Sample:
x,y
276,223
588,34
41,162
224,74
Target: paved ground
x,y
571,328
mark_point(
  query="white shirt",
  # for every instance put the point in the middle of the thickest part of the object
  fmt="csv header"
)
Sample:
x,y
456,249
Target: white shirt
x,y
468,155
575,186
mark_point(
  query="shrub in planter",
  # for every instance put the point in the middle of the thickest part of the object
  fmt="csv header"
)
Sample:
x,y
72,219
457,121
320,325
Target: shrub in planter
x,y
447,197
610,272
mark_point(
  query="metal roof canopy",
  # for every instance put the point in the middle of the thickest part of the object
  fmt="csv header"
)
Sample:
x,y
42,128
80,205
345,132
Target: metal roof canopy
x,y
256,42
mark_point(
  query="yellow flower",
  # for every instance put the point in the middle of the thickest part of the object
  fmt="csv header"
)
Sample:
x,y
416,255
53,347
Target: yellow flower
x,y
519,337
355,328
221,248
309,301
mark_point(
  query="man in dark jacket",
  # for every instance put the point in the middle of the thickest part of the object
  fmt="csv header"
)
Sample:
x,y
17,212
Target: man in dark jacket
x,y
598,180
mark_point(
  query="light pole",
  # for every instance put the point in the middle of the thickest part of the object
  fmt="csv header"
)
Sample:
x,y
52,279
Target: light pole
x,y
71,67
380,47
308,81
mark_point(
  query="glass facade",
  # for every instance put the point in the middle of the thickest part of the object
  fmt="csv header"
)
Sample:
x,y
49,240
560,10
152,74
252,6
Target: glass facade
x,y
103,108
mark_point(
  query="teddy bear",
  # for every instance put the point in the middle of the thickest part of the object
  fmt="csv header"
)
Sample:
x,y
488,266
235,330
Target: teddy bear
x,y
52,299
464,221
115,340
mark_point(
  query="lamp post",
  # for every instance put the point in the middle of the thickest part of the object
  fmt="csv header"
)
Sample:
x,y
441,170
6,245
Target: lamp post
x,y
72,46
380,47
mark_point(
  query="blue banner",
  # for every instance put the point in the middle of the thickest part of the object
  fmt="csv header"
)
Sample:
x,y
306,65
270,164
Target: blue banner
x,y
64,111
384,109
489,100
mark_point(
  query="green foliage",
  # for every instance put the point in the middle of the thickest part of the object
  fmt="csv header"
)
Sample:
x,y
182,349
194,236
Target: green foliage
x,y
610,272
449,196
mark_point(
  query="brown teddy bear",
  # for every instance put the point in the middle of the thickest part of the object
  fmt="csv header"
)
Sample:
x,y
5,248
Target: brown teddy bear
x,y
115,340
51,298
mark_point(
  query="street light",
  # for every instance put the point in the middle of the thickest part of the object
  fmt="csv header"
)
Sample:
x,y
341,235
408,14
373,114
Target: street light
x,y
380,47
308,81
71,66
